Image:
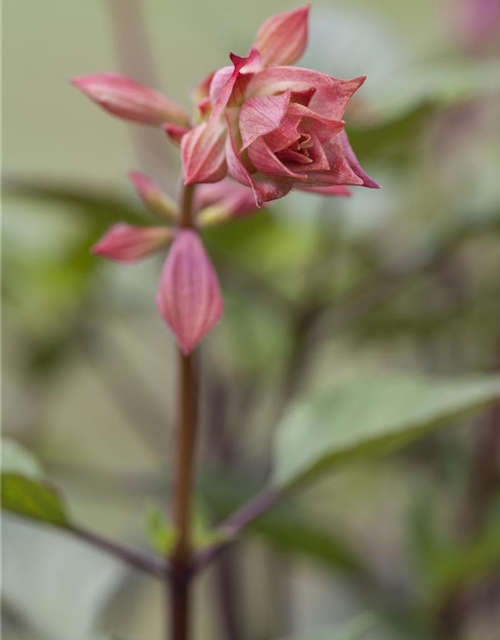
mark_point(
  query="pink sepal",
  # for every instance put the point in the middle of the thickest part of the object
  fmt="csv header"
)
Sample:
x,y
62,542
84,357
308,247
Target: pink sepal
x,y
335,190
202,153
282,39
189,297
222,201
127,243
155,200
127,99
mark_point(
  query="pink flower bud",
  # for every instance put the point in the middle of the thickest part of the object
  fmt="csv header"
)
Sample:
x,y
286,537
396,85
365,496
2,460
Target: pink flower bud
x,y
222,201
126,243
282,39
156,201
130,100
189,297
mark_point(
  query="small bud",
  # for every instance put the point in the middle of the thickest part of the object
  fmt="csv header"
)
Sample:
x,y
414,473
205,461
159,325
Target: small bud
x,y
222,201
189,297
127,99
156,201
282,39
126,243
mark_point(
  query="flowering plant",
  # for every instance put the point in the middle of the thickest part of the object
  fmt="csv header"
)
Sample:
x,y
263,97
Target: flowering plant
x,y
260,129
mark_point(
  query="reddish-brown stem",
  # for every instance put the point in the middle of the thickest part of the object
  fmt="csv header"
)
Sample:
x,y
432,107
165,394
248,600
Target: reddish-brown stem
x,y
178,582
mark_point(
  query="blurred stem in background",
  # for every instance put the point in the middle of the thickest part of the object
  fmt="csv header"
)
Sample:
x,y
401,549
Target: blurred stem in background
x,y
135,59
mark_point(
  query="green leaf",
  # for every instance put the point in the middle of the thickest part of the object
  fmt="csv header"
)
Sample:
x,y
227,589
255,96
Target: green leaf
x,y
25,492
161,534
354,630
15,459
366,417
450,567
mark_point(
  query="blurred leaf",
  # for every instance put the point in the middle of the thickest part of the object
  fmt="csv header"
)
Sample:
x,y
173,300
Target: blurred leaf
x,y
354,630
161,534
366,417
16,459
285,526
56,586
25,493
449,566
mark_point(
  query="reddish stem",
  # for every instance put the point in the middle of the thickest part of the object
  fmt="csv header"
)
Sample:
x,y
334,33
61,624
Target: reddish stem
x,y
178,582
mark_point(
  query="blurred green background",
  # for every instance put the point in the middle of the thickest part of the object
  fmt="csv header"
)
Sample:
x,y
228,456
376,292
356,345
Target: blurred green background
x,y
317,290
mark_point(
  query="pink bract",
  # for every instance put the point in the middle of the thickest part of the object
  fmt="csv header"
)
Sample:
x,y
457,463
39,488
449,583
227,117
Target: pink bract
x,y
128,243
189,297
127,99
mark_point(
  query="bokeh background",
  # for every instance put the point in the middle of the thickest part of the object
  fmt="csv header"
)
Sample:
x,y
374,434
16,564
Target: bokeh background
x,y
317,290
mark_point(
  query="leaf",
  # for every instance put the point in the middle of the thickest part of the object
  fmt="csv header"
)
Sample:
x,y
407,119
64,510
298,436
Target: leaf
x,y
25,492
161,534
366,417
56,586
15,459
354,630
449,567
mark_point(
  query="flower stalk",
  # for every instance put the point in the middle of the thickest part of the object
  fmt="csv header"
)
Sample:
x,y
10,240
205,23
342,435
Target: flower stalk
x,y
178,581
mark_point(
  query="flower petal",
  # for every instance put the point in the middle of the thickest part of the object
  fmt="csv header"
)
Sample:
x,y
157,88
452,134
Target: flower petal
x,y
265,188
265,161
340,172
329,100
189,297
325,128
127,243
334,190
224,82
282,39
202,153
127,99
156,201
355,166
262,115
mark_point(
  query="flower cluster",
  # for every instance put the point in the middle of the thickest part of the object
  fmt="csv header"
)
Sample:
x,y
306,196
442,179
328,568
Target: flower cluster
x,y
261,128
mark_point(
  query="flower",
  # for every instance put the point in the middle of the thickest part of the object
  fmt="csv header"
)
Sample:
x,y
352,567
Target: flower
x,y
270,126
274,127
